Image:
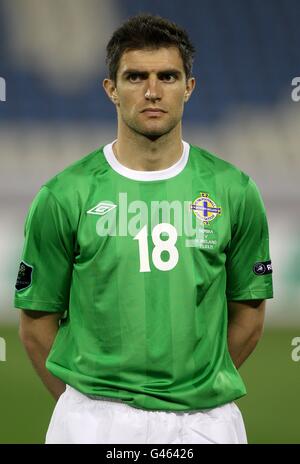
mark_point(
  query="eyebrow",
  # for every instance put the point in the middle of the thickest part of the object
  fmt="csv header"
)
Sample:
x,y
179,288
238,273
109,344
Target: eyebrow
x,y
164,71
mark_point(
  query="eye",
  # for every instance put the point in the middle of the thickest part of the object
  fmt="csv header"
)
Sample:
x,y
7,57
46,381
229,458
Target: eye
x,y
134,77
168,77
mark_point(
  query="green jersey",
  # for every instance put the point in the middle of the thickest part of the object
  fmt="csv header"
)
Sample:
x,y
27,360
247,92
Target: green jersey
x,y
142,263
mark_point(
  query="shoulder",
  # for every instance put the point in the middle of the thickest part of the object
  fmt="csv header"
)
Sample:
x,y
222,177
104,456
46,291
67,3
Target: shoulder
x,y
66,193
77,176
223,171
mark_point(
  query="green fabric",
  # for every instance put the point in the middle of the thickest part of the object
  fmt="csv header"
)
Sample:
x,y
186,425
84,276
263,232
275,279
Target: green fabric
x,y
154,338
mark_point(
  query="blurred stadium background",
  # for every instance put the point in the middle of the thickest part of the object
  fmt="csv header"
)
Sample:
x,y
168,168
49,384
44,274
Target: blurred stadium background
x,y
52,59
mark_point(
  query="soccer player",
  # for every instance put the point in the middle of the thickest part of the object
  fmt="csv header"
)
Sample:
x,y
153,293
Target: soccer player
x,y
145,267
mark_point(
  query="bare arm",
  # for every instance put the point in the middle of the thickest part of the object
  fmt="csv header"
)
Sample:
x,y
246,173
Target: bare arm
x,y
37,332
245,328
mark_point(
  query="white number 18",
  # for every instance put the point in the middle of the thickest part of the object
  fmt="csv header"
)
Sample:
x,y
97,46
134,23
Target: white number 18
x,y
159,246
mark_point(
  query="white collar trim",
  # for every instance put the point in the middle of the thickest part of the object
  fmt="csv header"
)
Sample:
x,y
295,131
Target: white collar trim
x,y
172,171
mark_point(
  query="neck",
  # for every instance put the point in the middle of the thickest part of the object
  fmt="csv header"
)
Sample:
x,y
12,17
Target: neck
x,y
137,152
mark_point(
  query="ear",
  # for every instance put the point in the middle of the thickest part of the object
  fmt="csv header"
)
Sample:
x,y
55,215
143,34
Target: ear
x,y
190,85
111,90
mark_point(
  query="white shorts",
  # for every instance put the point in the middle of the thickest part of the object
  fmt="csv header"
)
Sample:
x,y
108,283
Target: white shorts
x,y
78,418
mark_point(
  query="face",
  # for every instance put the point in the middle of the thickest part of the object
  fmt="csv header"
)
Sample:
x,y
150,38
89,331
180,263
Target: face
x,y
150,91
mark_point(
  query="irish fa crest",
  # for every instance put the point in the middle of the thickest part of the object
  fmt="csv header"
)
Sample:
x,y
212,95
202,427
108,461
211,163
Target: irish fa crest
x,y
205,208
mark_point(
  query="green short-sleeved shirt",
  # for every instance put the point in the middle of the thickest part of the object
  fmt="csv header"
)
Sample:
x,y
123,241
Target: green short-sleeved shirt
x,y
143,263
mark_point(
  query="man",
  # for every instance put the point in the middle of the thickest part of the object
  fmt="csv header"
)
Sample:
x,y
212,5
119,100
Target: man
x,y
145,267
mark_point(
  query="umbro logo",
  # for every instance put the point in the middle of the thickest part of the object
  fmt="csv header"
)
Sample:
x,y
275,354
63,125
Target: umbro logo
x,y
102,208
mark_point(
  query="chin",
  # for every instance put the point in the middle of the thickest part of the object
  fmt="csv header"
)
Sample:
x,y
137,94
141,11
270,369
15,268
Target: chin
x,y
152,133
155,133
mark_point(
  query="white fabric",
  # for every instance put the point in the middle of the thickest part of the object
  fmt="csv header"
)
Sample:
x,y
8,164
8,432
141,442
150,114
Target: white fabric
x,y
78,418
162,174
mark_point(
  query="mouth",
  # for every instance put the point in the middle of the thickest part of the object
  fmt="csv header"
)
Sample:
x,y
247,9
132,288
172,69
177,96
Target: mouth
x,y
153,111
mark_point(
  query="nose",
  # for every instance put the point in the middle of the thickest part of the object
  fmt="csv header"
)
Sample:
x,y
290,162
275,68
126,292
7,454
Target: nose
x,y
153,89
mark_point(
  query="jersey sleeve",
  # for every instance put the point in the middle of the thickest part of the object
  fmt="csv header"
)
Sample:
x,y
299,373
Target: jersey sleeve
x,y
45,272
248,263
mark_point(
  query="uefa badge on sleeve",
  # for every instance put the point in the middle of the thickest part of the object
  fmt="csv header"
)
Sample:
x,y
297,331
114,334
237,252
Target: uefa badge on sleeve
x,y
24,278
262,268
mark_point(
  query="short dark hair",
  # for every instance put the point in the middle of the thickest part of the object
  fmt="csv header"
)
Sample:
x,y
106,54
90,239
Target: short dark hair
x,y
147,31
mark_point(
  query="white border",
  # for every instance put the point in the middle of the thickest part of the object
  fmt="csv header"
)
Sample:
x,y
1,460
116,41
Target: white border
x,y
168,173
